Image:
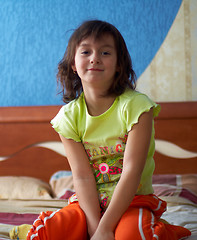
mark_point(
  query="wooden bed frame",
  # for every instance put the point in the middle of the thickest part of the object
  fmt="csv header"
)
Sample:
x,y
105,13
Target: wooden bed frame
x,y
23,131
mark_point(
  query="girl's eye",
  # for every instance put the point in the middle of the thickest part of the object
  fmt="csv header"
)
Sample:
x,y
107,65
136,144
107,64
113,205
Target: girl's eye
x,y
84,52
105,53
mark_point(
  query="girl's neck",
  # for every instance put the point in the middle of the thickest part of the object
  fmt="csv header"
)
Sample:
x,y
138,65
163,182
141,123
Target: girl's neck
x,y
97,104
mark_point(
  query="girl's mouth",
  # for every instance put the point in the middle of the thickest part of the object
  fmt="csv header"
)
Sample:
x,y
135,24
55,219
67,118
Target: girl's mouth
x,y
95,69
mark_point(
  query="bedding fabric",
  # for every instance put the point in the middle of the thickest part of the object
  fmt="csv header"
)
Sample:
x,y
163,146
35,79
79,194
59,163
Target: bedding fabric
x,y
184,185
179,212
70,221
12,187
17,212
181,209
182,212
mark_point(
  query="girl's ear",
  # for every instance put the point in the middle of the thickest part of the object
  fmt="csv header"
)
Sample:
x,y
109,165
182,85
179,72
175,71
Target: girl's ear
x,y
73,67
117,68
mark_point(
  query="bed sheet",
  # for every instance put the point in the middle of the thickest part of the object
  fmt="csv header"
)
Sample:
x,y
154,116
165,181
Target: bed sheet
x,y
181,212
15,212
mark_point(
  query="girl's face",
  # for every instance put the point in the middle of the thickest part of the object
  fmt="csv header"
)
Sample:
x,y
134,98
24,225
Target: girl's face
x,y
96,61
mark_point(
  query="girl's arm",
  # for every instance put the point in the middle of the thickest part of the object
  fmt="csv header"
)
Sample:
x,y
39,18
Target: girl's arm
x,y
133,164
84,182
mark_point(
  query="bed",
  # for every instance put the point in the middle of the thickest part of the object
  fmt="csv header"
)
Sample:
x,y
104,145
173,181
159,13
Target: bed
x,y
35,175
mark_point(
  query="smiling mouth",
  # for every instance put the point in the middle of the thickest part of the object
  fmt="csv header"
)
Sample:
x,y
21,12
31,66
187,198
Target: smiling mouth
x,y
95,70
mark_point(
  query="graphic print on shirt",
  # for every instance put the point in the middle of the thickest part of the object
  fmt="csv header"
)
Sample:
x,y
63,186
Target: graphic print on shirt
x,y
105,169
107,161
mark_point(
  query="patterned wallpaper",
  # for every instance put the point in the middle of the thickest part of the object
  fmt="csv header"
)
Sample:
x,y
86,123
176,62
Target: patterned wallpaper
x,y
34,34
172,74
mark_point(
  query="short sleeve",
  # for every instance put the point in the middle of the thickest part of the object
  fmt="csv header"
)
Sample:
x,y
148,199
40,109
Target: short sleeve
x,y
65,123
135,107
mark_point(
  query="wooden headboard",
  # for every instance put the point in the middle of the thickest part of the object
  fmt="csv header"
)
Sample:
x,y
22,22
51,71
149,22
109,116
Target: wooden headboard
x,y
22,130
27,139
176,124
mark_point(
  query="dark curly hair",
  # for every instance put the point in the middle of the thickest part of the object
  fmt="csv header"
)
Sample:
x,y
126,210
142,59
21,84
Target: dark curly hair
x,y
71,82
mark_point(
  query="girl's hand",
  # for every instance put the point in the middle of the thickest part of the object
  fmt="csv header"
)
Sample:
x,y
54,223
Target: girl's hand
x,y
103,236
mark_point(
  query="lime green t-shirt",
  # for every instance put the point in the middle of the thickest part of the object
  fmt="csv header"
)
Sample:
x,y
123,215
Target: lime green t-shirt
x,y
104,138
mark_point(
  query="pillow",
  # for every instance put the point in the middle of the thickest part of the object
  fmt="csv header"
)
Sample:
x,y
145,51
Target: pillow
x,y
184,185
163,184
62,184
24,188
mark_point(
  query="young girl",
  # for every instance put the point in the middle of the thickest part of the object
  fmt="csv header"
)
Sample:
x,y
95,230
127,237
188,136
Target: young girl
x,y
108,133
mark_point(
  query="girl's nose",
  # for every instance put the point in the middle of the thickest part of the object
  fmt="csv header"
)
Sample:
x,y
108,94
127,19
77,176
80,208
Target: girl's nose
x,y
95,59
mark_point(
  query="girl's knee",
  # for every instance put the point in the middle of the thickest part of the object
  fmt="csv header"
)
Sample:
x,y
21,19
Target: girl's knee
x,y
134,224
127,225
69,221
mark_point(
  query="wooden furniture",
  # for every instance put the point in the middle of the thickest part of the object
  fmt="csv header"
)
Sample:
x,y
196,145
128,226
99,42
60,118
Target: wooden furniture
x,y
27,136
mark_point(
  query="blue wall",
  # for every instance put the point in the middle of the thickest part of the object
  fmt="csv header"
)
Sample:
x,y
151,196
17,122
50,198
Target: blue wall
x,y
34,34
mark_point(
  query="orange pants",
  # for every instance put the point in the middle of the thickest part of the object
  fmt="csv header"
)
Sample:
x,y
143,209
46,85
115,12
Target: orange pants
x,y
140,222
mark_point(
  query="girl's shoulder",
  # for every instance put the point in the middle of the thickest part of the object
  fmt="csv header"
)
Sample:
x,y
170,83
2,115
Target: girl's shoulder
x,y
133,96
74,106
67,120
136,102
69,112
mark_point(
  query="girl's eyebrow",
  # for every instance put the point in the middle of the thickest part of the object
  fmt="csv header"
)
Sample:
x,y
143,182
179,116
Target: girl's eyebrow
x,y
89,45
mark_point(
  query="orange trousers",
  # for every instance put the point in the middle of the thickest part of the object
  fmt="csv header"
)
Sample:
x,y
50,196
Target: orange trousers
x,y
140,222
